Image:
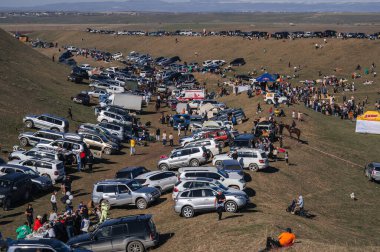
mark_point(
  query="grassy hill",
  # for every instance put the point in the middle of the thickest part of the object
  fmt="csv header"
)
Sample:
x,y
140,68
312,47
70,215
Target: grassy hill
x,y
31,83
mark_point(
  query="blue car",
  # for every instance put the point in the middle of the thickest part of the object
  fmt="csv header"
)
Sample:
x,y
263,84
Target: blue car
x,y
232,166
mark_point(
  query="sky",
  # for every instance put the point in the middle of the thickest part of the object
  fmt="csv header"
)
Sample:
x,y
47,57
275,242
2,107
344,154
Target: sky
x,y
28,3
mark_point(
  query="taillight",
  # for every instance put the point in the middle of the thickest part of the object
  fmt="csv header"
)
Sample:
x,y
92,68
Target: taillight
x,y
56,173
261,161
175,189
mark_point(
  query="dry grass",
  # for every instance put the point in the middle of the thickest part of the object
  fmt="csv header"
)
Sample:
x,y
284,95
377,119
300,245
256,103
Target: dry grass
x,y
340,223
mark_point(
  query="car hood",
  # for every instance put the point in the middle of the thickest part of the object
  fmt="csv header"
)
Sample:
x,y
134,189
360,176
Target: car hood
x,y
76,240
4,191
146,189
41,180
234,175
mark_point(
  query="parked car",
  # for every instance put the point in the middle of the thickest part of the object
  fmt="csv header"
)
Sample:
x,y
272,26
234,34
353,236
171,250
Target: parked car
x,y
131,172
372,171
190,183
105,116
271,98
41,136
233,180
193,156
209,144
245,140
46,121
253,159
116,130
94,128
100,142
195,200
130,233
42,244
69,145
14,187
35,153
52,169
237,62
117,192
161,180
81,98
40,183
75,78
96,93
232,166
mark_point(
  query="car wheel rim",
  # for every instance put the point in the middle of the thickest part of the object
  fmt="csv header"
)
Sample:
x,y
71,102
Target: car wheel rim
x,y
23,142
135,248
230,207
194,163
218,163
187,212
28,124
164,168
141,204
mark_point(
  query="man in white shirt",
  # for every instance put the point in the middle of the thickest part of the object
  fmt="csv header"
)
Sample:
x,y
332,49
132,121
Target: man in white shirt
x,y
53,200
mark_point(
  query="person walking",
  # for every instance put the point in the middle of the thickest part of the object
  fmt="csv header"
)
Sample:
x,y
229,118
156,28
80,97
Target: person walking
x,y
29,215
274,154
158,133
90,161
171,140
220,199
69,114
23,230
53,201
133,144
164,138
287,158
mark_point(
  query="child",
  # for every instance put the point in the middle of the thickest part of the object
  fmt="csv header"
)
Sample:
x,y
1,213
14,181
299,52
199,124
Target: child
x,y
287,158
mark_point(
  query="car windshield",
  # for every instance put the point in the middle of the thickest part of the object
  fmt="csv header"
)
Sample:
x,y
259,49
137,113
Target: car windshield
x,y
5,183
223,173
31,172
134,185
103,138
219,185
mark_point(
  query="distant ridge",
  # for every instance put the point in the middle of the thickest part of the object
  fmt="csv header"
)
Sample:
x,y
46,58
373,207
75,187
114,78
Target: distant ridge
x,y
203,6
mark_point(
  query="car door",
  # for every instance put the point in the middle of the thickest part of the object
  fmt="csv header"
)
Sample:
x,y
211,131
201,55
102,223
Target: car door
x,y
170,179
102,240
196,199
40,122
109,194
119,236
208,198
96,142
124,195
175,159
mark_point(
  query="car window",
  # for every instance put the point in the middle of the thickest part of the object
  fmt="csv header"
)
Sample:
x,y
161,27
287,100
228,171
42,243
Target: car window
x,y
377,168
119,230
122,189
184,194
25,249
208,193
213,175
100,188
29,163
196,193
7,170
136,227
157,177
169,174
190,174
110,189
104,233
42,118
199,184
186,184
195,150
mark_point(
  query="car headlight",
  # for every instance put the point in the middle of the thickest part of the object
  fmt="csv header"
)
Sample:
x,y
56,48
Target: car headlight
x,y
2,196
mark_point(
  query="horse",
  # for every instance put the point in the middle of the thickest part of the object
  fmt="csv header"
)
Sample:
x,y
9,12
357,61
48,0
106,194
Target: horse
x,y
293,131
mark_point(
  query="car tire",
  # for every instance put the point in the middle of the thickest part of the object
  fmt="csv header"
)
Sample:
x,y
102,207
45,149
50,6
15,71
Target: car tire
x,y
24,142
107,151
104,121
164,167
55,129
29,124
7,204
135,246
194,162
230,207
218,163
141,203
187,212
269,102
253,167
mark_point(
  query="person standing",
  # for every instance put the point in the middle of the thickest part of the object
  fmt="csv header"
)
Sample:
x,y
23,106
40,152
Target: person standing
x,y
179,129
133,144
171,138
220,199
164,138
234,155
287,158
23,231
300,204
29,215
37,223
83,159
79,161
67,184
90,161
158,133
274,153
85,224
53,200
69,114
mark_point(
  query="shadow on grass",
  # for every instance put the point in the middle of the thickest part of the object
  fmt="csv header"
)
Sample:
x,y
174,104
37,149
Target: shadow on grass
x,y
5,222
250,192
233,216
270,170
247,177
12,215
165,237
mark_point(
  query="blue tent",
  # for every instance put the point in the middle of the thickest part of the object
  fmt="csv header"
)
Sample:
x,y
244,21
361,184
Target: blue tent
x,y
266,78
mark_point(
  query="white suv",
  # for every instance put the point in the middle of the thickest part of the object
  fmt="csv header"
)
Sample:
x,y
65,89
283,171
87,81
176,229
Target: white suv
x,y
52,169
253,159
106,116
232,180
209,144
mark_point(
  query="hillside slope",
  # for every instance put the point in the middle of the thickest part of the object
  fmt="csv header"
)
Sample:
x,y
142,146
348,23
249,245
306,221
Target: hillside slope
x,y
30,83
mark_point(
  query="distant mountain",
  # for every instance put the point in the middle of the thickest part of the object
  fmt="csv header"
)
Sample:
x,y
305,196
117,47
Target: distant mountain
x,y
205,6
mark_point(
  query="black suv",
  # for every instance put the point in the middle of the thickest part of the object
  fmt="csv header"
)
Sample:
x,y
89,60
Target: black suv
x,y
130,233
131,172
14,187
